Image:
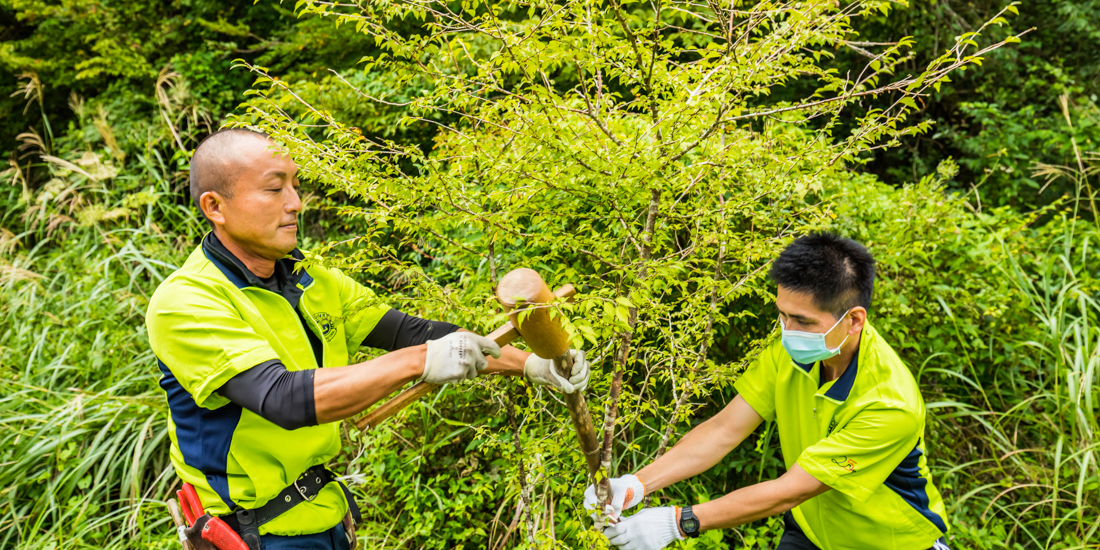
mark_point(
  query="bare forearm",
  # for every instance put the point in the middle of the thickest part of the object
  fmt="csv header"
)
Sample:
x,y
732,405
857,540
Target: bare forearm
x,y
696,453
743,506
759,501
510,362
342,392
702,447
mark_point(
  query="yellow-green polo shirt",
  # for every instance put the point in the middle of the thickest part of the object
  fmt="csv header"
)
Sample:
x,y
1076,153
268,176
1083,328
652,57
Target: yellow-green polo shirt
x,y
206,324
862,435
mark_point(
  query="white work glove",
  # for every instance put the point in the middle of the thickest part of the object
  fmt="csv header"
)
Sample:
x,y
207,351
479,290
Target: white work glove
x,y
457,356
542,372
650,529
626,492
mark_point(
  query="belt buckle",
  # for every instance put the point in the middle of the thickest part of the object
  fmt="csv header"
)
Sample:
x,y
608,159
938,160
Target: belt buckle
x,y
302,491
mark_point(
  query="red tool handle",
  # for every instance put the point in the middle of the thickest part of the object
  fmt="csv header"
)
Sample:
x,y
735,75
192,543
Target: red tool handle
x,y
218,533
190,504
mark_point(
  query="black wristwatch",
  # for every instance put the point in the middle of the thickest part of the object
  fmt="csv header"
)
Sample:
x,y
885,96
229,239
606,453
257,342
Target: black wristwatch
x,y
689,524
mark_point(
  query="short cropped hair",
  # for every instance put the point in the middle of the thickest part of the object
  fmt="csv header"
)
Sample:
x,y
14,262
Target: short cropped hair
x,y
837,273
215,166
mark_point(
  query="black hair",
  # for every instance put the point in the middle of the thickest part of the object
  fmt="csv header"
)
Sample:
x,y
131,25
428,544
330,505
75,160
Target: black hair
x,y
838,273
214,166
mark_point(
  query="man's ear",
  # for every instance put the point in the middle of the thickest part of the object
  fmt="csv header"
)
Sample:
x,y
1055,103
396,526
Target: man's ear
x,y
859,317
211,204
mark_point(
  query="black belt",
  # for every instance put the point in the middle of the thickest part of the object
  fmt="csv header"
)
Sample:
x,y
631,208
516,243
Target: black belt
x,y
304,489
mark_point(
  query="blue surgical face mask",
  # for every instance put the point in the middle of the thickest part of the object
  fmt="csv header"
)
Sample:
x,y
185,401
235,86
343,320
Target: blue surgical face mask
x,y
809,347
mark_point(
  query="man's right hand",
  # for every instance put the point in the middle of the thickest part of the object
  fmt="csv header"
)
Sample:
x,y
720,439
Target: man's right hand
x,y
457,356
626,492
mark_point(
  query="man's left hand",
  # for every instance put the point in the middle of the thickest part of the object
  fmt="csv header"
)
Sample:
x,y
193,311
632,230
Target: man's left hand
x,y
650,529
542,372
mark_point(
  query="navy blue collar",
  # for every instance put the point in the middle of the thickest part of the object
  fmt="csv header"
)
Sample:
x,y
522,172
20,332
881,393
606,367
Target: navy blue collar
x,y
286,281
806,367
843,385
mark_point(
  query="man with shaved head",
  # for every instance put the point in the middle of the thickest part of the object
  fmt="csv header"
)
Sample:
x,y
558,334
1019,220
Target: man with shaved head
x,y
253,353
219,160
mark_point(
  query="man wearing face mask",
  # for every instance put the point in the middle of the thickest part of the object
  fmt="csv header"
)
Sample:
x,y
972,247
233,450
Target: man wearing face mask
x,y
850,419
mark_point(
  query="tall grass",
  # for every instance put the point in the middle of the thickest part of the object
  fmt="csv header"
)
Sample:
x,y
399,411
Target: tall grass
x,y
1033,467
87,234
83,435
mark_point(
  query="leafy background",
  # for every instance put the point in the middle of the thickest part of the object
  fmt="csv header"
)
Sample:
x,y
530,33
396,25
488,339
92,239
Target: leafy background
x,y
982,221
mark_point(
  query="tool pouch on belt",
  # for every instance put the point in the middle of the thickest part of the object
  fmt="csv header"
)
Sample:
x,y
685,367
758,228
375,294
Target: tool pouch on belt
x,y
304,489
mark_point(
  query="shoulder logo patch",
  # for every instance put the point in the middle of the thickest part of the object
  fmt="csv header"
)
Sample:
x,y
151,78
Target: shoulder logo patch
x,y
328,326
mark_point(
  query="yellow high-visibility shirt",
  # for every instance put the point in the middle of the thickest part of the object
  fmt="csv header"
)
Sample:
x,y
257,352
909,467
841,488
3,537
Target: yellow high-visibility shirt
x,y
862,435
206,325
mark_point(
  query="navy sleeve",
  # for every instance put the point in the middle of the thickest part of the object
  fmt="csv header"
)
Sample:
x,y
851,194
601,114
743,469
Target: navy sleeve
x,y
281,397
397,330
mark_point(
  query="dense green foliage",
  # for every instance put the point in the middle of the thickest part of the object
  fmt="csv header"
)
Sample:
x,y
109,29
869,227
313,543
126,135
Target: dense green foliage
x,y
999,120
627,156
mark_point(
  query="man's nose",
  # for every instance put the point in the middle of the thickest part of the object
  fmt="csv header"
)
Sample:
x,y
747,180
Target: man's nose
x,y
294,204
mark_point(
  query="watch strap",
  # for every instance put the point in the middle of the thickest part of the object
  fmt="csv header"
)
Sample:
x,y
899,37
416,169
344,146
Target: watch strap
x,y
689,524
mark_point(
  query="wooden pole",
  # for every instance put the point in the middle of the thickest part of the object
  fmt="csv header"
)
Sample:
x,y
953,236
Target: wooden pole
x,y
526,297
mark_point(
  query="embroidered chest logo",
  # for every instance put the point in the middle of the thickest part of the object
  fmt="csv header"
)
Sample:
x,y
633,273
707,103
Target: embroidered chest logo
x,y
328,326
846,463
